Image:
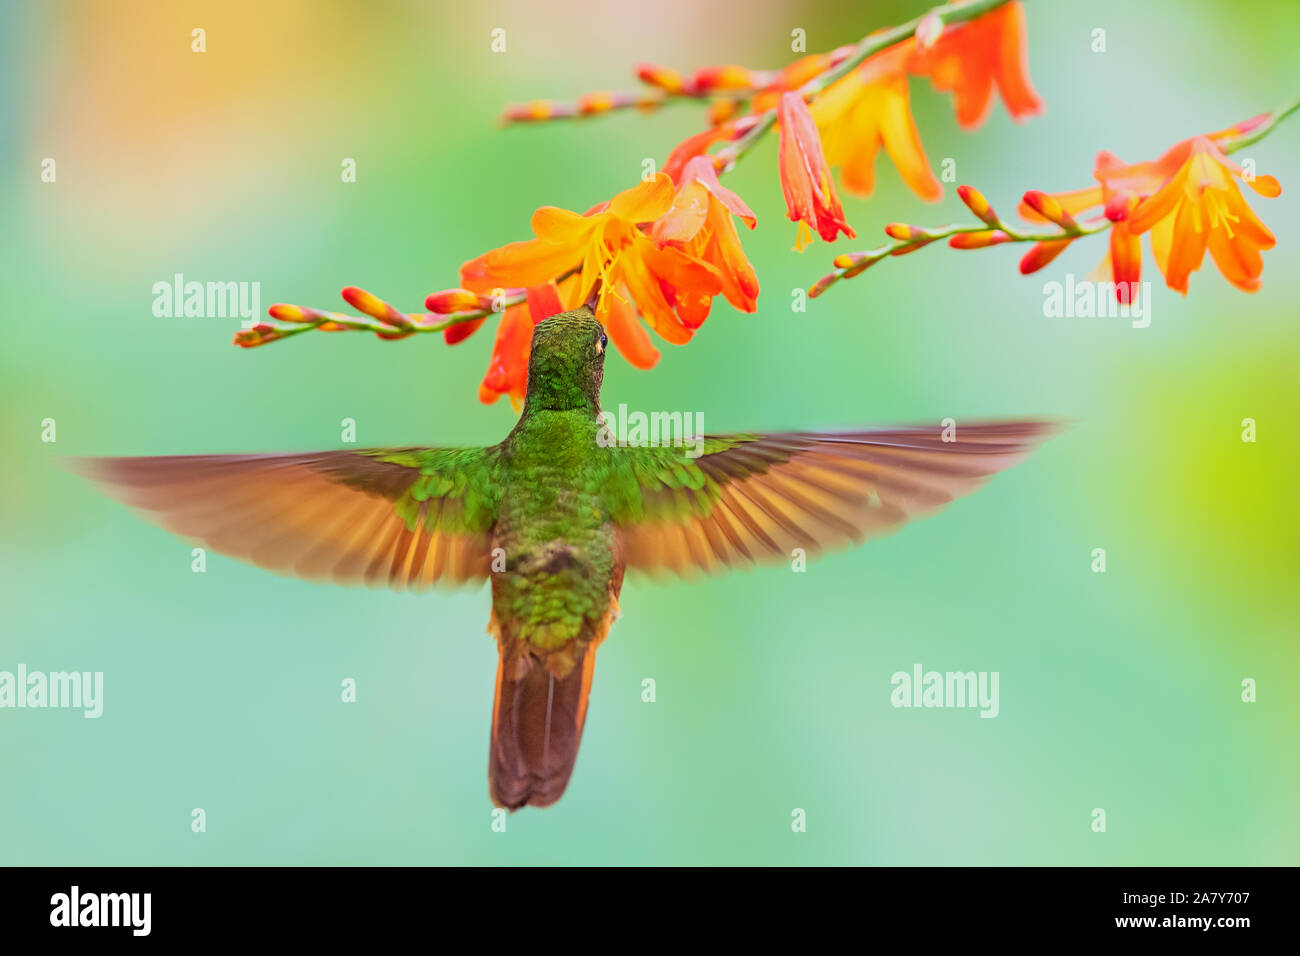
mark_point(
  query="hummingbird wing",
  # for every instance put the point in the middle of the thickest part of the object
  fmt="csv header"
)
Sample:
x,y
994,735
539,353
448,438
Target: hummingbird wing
x,y
400,517
751,498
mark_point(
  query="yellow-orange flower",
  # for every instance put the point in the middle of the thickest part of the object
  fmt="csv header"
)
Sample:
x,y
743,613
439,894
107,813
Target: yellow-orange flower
x,y
1201,208
669,280
1120,187
870,108
1189,202
970,59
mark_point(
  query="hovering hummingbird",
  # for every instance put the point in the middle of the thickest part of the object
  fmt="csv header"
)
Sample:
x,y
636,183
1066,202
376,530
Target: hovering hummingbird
x,y
553,517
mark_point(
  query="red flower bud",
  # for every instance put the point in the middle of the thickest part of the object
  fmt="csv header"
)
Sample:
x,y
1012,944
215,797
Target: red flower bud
x,y
1041,254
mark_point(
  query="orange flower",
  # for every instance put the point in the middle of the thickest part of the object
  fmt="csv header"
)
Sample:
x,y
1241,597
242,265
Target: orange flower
x,y
1120,186
1188,201
699,223
810,195
613,257
1201,208
970,59
870,108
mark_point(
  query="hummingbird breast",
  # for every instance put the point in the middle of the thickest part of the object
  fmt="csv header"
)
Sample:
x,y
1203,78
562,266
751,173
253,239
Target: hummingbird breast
x,y
555,575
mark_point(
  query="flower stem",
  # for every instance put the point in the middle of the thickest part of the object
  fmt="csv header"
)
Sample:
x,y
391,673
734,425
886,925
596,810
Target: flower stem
x,y
753,129
1259,132
849,264
948,14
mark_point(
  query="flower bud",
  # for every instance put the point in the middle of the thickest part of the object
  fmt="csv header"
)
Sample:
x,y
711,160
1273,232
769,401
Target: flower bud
x,y
652,74
1051,210
376,308
456,300
1041,254
976,203
978,240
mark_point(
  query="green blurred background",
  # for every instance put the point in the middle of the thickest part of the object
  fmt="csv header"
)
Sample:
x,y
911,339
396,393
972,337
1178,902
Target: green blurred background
x,y
1118,690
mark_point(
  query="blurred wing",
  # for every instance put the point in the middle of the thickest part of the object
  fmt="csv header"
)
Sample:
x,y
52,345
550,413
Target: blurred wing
x,y
751,498
402,518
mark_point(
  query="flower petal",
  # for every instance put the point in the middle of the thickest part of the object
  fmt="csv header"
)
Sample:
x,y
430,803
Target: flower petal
x,y
702,171
644,202
1125,262
686,217
902,140
1011,69
560,225
507,372
629,336
1238,260
1266,186
1188,247
1156,207
519,264
543,301
649,299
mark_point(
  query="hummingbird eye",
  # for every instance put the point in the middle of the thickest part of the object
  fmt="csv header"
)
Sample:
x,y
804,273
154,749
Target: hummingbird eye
x,y
601,343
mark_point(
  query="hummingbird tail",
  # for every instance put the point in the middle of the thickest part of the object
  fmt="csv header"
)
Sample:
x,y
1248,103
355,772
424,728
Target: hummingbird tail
x,y
537,720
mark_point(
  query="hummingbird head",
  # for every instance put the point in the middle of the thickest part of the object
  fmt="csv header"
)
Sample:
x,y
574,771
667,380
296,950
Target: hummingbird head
x,y
567,362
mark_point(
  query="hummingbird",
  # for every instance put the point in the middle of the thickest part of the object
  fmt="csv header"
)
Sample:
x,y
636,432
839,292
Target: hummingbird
x,y
553,516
